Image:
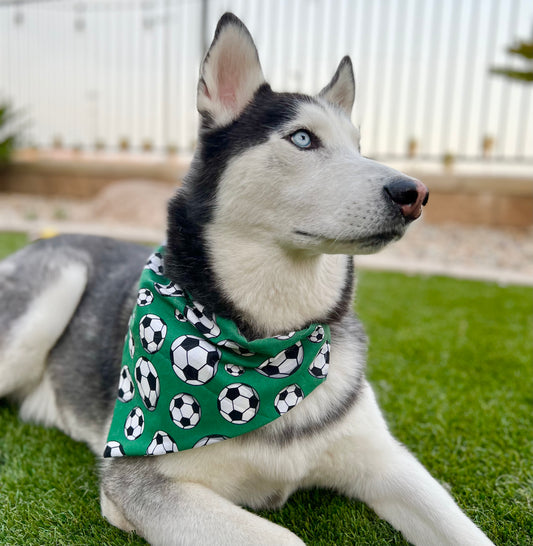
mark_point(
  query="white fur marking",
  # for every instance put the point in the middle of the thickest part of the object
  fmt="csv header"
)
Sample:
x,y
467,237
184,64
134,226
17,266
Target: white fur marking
x,y
276,289
33,335
113,515
40,405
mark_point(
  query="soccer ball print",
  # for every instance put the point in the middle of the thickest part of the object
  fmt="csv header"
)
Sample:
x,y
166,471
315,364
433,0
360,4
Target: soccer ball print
x,y
113,449
161,444
320,366
208,440
287,398
235,347
194,360
134,425
126,389
238,403
174,346
234,369
152,331
147,382
284,363
185,411
155,263
144,297
318,335
171,289
202,321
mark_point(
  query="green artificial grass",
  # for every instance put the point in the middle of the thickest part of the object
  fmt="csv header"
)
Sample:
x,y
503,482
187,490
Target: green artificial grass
x,y
9,242
451,362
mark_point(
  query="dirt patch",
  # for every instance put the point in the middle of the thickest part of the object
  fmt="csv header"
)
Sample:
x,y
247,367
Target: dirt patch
x,y
137,203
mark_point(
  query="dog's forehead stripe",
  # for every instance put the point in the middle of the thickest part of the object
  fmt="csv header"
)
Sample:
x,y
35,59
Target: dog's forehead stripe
x,y
267,113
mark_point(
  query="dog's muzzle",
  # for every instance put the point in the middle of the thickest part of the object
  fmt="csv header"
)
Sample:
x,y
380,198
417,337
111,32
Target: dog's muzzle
x,y
409,194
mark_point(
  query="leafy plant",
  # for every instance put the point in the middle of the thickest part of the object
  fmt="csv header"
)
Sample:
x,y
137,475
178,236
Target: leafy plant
x,y
8,133
523,50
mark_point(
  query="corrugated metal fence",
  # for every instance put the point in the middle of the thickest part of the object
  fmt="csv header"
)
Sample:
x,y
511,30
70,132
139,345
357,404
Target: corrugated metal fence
x,y
117,74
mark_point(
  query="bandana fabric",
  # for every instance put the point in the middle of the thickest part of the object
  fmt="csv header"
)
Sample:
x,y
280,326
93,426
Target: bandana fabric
x,y
190,379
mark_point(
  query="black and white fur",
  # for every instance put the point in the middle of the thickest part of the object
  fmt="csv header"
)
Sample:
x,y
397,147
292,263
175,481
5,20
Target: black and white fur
x,y
262,232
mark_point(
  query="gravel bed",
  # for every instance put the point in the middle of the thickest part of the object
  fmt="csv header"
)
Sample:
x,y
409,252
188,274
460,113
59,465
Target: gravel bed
x,y
503,255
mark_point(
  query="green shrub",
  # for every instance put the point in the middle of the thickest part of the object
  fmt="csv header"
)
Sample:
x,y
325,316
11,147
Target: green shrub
x,y
8,133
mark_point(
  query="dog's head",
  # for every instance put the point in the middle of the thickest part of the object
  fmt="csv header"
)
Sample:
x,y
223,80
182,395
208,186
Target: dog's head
x,y
287,166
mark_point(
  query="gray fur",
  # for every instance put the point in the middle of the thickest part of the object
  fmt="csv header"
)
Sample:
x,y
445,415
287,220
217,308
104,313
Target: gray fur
x,y
85,363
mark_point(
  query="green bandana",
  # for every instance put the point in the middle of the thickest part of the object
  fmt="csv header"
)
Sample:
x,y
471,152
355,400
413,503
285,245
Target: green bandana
x,y
190,378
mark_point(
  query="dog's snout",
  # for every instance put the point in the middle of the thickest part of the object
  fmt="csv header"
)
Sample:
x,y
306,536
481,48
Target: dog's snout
x,y
409,194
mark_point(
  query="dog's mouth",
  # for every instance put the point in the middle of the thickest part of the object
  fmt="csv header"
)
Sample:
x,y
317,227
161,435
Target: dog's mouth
x,y
364,245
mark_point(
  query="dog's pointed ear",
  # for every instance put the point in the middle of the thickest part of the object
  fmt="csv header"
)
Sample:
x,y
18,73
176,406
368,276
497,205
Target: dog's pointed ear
x,y
341,89
230,73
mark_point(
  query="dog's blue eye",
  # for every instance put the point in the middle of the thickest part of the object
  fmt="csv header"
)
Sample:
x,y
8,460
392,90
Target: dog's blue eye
x,y
302,139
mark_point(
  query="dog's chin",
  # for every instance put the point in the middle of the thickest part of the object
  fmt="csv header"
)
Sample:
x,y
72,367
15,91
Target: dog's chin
x,y
363,244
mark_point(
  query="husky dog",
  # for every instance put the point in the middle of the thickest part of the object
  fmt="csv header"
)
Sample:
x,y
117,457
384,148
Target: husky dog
x,y
277,201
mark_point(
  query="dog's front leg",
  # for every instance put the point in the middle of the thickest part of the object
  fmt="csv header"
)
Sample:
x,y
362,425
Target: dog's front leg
x,y
134,497
370,465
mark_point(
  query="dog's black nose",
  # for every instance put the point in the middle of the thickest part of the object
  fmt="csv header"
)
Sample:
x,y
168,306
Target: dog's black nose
x,y
409,194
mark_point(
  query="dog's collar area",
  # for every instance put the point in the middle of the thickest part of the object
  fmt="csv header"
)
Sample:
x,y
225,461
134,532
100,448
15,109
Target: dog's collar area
x,y
190,378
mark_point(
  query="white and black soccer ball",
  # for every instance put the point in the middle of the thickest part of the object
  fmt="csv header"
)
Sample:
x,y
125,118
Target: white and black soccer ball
x,y
179,315
238,403
208,440
147,382
113,449
194,360
126,389
320,366
170,290
318,335
235,347
161,444
155,263
144,297
152,331
134,425
287,398
204,322
285,363
185,411
234,369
